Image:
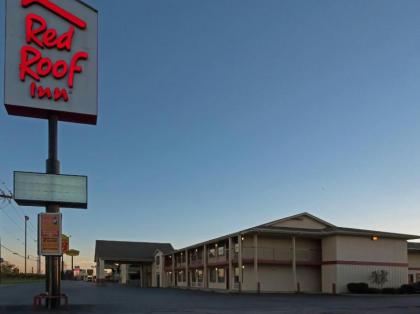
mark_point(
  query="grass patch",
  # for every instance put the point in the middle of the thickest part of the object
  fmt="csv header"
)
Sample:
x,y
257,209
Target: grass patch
x,y
17,281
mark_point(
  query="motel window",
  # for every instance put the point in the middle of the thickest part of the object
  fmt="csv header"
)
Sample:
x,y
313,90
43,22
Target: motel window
x,y
194,276
221,251
212,252
236,275
236,247
200,276
410,278
157,260
213,275
181,276
221,275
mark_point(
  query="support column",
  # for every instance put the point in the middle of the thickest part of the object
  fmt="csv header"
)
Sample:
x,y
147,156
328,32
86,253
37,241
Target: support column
x,y
123,273
257,279
241,271
187,272
173,271
142,276
231,270
294,263
100,270
205,276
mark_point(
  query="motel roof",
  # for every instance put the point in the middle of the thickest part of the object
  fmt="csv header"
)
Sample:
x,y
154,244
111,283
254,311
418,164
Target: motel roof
x,y
129,251
325,229
413,246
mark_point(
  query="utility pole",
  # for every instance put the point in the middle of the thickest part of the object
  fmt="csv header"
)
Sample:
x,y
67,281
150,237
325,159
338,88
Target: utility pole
x,y
26,255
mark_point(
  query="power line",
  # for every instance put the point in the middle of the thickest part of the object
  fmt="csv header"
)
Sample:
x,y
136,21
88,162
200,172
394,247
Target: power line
x,y
16,253
8,195
12,220
30,223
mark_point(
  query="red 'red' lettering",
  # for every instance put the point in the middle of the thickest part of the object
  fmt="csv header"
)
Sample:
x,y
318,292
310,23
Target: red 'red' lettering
x,y
49,36
31,33
74,68
26,62
65,40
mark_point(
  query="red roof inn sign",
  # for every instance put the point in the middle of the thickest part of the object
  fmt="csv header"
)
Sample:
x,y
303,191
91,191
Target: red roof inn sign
x,y
51,60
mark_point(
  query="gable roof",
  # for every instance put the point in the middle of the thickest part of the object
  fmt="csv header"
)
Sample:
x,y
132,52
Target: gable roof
x,y
297,217
329,230
129,251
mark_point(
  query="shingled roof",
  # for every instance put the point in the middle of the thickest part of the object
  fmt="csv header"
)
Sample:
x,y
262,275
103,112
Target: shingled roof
x,y
129,251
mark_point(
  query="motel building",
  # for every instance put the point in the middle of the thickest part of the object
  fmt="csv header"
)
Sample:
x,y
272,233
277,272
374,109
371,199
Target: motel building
x,y
301,253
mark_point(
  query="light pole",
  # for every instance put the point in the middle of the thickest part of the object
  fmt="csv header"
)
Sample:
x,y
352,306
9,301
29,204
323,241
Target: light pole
x,y
1,261
26,257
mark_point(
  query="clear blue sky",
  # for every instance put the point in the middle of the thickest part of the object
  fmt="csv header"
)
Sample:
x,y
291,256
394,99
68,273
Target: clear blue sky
x,y
220,115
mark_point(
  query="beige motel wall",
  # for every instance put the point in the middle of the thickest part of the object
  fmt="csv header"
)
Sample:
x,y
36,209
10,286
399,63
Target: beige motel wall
x,y
414,266
274,270
353,259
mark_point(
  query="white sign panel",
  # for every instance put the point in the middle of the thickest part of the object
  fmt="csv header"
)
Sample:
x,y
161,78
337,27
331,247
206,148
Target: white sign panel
x,y
40,189
51,62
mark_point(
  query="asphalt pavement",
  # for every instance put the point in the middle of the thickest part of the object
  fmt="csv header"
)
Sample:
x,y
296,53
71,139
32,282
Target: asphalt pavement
x,y
86,298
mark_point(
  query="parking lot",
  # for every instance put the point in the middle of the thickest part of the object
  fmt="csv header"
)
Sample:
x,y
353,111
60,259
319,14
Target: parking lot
x,y
89,298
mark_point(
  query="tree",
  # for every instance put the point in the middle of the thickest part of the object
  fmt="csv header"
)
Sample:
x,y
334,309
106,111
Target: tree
x,y
8,268
379,277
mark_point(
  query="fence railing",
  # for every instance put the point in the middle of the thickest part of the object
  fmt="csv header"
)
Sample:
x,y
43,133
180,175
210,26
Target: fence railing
x,y
282,254
217,259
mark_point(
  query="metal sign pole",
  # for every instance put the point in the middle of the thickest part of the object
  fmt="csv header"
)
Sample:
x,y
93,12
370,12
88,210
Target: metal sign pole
x,y
52,263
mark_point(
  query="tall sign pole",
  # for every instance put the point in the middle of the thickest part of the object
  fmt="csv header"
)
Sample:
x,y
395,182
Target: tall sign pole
x,y
53,167
51,72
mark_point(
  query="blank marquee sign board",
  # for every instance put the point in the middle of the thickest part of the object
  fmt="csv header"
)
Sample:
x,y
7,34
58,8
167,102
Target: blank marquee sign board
x,y
40,189
51,62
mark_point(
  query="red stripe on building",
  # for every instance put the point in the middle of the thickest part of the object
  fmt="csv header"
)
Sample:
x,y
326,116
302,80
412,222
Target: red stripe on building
x,y
360,263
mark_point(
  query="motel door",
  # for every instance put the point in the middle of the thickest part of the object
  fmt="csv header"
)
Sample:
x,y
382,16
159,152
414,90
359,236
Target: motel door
x,y
227,279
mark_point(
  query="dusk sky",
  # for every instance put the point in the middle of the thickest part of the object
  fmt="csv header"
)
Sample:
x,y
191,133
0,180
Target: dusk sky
x,y
216,116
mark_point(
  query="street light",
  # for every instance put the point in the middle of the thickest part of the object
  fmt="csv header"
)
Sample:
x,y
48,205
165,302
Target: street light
x,y
26,256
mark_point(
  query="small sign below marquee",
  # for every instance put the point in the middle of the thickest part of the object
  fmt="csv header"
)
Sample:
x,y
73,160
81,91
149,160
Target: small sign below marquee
x,y
49,234
51,62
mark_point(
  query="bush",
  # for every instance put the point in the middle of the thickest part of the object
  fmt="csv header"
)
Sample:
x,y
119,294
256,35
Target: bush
x,y
416,286
407,289
374,290
22,276
358,287
390,291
